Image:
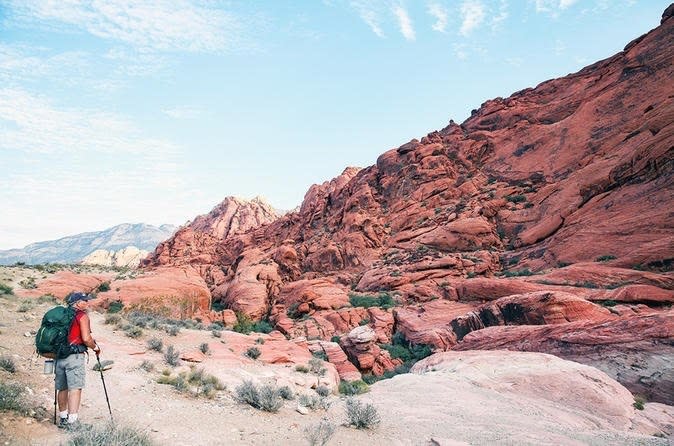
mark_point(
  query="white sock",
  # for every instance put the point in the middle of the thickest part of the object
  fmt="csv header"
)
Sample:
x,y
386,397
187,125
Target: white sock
x,y
72,417
63,414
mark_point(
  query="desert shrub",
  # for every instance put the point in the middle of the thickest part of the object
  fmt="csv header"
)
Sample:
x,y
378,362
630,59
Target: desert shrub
x,y
172,330
133,331
292,311
270,398
259,341
363,322
323,391
172,356
11,397
609,303
286,393
243,324
216,333
146,365
103,287
516,198
253,353
47,298
383,300
28,283
7,363
112,319
639,403
335,338
115,306
605,258
110,434
316,367
361,416
353,387
587,284
204,348
518,273
301,368
247,392
320,433
5,289
314,402
320,354
205,384
402,349
262,326
155,344
25,306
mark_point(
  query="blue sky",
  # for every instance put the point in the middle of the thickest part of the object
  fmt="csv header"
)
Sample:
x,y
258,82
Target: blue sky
x,y
153,111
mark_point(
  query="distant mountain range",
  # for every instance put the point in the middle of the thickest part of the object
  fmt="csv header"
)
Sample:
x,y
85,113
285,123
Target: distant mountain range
x,y
74,248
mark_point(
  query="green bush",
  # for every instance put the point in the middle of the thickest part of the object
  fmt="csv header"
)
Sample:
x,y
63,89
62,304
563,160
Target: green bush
x,y
244,324
115,306
335,338
517,273
112,319
7,363
11,397
320,354
383,300
286,393
155,344
516,198
204,348
253,353
353,387
133,331
267,397
609,303
322,391
639,403
605,258
103,287
361,416
146,365
262,326
172,356
5,289
301,368
110,434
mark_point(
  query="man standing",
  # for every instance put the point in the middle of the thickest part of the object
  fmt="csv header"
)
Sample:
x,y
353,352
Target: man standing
x,y
70,371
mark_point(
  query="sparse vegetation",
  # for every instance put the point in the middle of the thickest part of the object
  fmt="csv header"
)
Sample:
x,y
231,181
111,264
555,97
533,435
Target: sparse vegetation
x,y
7,363
133,331
155,344
146,365
267,397
322,391
11,397
25,306
639,403
605,258
204,348
609,303
286,393
112,319
5,289
314,401
316,366
243,324
353,387
320,433
110,434
253,353
172,356
301,368
172,330
383,300
103,287
28,283
518,273
115,306
360,415
516,198
320,354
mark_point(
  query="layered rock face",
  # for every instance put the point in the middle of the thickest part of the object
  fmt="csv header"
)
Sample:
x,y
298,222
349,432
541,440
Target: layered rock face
x,y
473,227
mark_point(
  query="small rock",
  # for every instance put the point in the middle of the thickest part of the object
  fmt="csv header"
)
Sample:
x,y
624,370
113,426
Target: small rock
x,y
303,410
27,334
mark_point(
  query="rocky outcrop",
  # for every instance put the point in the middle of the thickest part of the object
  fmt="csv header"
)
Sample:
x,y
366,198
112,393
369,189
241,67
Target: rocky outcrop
x,y
65,282
126,257
636,350
527,212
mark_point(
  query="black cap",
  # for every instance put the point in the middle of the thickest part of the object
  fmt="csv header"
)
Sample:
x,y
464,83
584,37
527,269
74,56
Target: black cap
x,y
76,297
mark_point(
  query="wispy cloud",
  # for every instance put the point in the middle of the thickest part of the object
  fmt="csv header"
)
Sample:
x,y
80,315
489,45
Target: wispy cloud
x,y
405,23
21,63
553,7
368,12
498,19
168,25
472,16
32,124
440,14
563,4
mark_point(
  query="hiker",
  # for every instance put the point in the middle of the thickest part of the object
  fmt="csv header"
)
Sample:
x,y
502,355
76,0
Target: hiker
x,y
70,371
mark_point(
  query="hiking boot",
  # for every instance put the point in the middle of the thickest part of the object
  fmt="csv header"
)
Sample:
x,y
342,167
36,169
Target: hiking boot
x,y
63,423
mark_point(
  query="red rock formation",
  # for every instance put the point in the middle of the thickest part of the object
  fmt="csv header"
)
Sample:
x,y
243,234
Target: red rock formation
x,y
576,170
65,282
637,351
361,348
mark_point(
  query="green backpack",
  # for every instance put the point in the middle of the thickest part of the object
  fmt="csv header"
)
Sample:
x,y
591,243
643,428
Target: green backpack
x,y
51,339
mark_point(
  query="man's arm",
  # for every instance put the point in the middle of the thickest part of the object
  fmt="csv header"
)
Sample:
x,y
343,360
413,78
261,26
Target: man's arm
x,y
85,332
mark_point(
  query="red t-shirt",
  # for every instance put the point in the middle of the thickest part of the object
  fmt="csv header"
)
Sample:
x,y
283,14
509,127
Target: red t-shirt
x,y
75,335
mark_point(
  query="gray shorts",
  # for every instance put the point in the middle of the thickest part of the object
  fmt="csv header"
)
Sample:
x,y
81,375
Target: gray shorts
x,y
70,372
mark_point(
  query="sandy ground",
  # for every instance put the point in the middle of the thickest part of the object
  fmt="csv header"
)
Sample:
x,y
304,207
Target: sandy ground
x,y
436,408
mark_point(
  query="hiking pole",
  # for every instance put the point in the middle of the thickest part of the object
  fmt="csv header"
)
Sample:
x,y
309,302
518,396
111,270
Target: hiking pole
x,y
100,369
